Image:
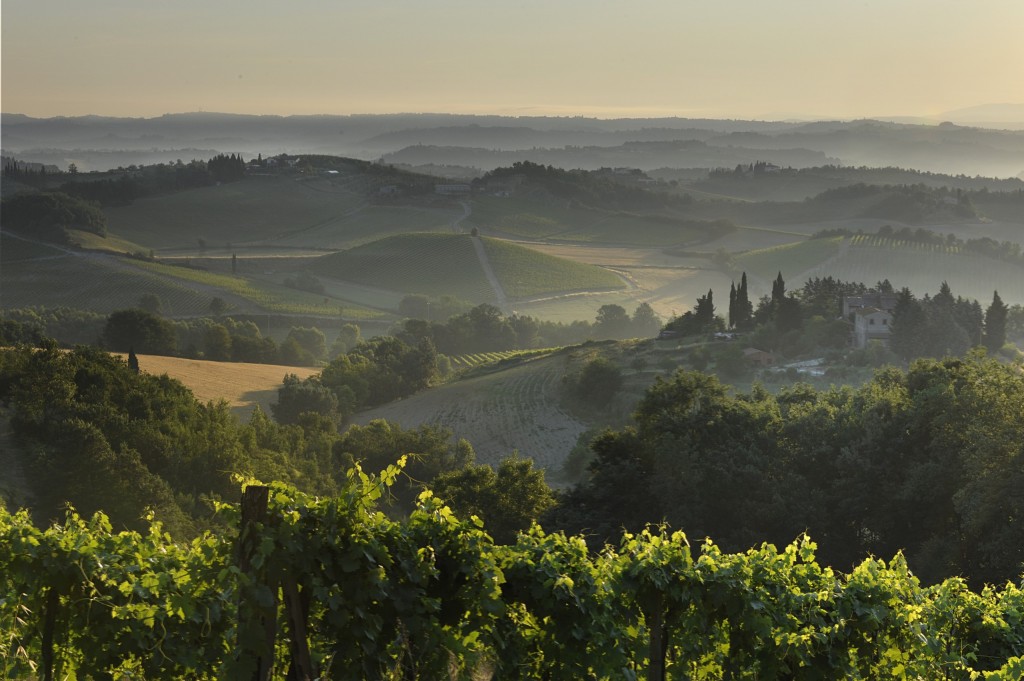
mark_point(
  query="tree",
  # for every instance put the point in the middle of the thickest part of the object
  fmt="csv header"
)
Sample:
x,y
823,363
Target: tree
x,y
133,360
150,303
646,321
217,343
415,306
300,396
49,215
218,306
778,289
995,323
348,337
744,308
612,322
704,313
508,501
598,382
141,330
909,325
311,340
733,315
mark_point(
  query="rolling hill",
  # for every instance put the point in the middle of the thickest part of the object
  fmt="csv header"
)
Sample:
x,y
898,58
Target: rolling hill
x,y
449,264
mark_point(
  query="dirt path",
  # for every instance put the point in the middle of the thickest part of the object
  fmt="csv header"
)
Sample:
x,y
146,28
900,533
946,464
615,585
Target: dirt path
x,y
492,279
457,222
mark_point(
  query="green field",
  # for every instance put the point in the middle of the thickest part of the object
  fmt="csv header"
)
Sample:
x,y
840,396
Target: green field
x,y
525,273
431,264
267,296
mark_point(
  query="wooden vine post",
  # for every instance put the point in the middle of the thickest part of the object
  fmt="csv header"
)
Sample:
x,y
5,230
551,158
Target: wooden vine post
x,y
257,624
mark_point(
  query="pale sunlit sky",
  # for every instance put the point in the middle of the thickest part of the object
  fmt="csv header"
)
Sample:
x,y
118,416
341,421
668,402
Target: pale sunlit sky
x,y
608,58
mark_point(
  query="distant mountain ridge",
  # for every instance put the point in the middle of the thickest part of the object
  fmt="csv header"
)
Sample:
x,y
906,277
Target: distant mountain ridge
x,y
948,148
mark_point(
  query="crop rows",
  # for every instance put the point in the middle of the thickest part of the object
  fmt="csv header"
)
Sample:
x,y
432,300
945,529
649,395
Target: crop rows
x,y
870,240
90,284
469,361
524,272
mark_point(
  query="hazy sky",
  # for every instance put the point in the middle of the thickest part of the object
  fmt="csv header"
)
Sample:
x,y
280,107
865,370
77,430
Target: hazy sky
x,y
735,58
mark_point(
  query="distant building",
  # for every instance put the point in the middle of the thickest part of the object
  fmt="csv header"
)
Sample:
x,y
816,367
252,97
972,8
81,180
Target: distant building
x,y
759,357
871,324
875,299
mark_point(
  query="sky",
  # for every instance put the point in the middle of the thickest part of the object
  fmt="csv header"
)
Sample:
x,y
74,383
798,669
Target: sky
x,y
766,59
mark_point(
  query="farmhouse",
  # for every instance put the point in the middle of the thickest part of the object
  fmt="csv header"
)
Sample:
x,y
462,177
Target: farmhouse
x,y
870,324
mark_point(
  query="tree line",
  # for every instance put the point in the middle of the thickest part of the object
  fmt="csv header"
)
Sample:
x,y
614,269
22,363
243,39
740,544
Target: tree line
x,y
926,461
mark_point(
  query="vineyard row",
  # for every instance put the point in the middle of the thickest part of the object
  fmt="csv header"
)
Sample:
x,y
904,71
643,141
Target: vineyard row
x,y
300,587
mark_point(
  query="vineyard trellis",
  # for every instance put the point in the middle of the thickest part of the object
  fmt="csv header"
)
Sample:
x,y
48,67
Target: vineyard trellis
x,y
359,595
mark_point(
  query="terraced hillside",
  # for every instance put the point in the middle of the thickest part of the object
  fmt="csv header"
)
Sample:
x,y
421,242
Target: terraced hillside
x,y
440,264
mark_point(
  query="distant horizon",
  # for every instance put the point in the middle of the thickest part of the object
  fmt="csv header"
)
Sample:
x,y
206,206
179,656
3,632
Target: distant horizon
x,y
736,59
1015,118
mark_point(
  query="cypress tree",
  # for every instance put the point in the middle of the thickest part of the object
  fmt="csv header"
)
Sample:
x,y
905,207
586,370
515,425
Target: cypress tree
x,y
995,323
733,317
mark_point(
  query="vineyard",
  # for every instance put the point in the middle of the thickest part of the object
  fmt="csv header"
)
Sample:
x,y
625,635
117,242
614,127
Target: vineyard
x,y
525,272
301,588
484,359
431,264
266,296
514,409
102,284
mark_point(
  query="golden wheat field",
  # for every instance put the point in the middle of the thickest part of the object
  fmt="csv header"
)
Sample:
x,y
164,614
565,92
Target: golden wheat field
x,y
241,385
